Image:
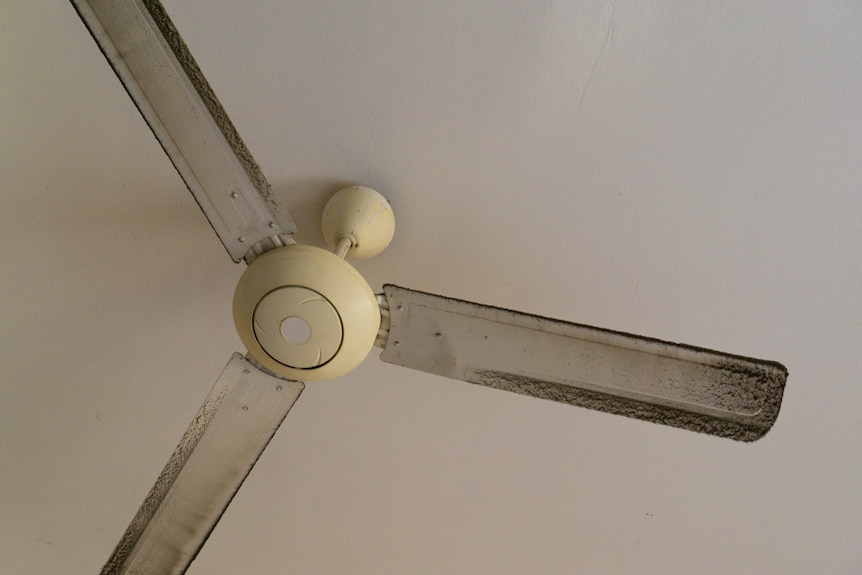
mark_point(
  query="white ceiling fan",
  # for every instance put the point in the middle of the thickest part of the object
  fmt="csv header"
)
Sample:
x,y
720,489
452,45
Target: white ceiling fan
x,y
305,314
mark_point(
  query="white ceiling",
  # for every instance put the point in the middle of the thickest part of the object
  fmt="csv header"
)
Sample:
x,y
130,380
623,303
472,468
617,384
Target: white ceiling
x,y
688,171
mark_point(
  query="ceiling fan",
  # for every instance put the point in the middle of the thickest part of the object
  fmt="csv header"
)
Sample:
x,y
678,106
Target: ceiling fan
x,y
304,313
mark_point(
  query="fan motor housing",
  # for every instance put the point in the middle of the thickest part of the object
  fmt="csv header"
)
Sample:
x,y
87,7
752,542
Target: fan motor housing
x,y
305,314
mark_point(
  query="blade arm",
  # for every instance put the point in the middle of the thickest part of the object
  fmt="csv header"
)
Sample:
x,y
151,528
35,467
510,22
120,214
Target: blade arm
x,y
162,78
678,385
227,436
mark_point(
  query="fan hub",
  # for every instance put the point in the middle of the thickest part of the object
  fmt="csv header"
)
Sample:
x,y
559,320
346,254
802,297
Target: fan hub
x,y
305,314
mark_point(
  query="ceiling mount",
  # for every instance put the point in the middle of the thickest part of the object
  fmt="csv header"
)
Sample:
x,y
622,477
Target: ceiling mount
x,y
358,222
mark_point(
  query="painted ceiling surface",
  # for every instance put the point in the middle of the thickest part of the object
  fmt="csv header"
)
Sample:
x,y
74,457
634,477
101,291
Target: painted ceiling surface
x,y
687,171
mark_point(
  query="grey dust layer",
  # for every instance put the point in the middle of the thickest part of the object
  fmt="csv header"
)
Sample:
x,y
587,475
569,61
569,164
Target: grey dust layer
x,y
672,384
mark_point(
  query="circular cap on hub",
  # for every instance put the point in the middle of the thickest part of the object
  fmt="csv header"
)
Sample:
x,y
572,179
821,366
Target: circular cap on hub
x,y
297,327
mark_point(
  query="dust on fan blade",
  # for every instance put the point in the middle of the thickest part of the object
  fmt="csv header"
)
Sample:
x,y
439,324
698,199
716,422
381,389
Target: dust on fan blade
x,y
161,76
673,384
223,442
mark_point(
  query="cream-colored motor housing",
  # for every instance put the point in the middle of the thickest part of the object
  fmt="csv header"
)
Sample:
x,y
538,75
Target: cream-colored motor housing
x,y
305,314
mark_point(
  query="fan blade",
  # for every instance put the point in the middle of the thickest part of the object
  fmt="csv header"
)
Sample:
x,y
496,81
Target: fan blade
x,y
644,378
222,444
161,76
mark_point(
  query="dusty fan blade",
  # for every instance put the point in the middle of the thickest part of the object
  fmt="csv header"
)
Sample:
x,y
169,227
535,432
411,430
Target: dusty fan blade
x,y
161,76
644,378
222,444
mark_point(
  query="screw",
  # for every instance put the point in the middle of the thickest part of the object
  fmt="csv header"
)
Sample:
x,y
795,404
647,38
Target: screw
x,y
234,194
241,239
272,224
278,388
400,308
245,408
396,344
438,335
